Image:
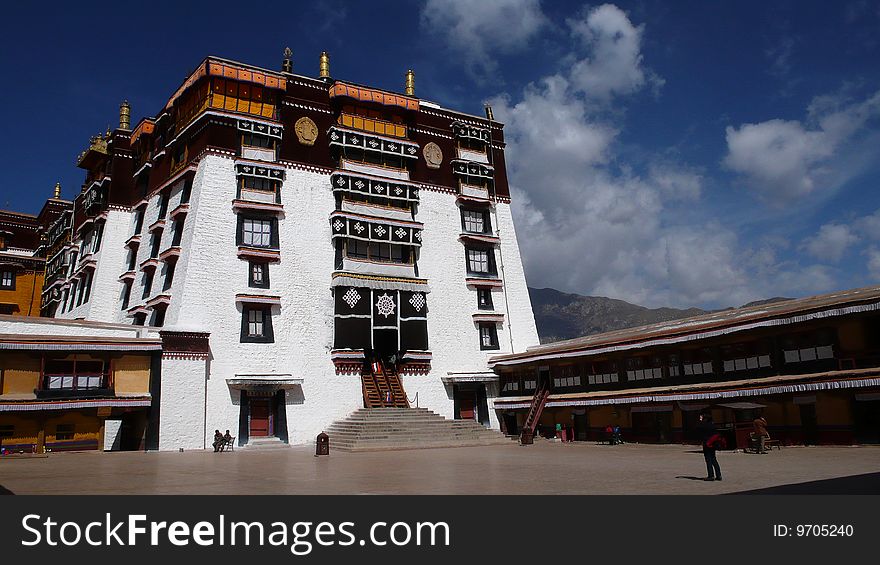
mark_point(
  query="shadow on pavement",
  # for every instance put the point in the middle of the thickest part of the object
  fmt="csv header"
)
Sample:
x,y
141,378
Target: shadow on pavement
x,y
4,490
691,478
868,483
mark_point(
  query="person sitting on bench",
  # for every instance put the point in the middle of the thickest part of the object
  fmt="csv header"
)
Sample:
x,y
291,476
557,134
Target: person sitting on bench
x,y
227,440
760,434
218,441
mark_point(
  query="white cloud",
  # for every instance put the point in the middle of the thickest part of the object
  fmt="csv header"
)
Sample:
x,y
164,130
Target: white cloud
x,y
478,28
873,254
783,160
869,225
614,62
831,242
590,224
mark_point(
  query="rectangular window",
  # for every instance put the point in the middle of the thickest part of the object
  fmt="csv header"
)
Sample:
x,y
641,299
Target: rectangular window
x,y
7,280
64,432
148,283
474,221
98,236
64,374
484,299
257,233
169,275
187,191
259,275
139,222
255,140
163,206
126,295
256,183
256,324
478,261
178,232
155,241
357,249
511,386
488,336
158,317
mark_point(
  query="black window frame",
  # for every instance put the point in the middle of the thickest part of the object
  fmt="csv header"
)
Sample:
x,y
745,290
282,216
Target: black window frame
x,y
12,277
485,304
273,236
252,282
268,332
148,283
491,271
492,328
487,225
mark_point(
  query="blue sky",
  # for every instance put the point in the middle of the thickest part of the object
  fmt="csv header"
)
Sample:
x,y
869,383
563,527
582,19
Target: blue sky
x,y
666,153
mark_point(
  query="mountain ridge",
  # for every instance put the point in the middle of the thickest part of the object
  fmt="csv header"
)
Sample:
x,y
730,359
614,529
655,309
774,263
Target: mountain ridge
x,y
560,315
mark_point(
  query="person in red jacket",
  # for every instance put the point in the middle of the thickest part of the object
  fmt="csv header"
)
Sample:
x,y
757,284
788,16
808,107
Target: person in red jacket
x,y
711,441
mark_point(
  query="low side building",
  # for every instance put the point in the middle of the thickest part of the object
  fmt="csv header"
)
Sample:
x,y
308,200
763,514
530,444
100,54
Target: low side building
x,y
810,366
70,385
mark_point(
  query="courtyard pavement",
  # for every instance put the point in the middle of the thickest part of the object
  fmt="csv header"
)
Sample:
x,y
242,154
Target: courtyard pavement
x,y
543,468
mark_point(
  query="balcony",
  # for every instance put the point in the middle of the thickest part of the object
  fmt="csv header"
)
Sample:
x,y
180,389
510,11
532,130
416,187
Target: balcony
x,y
373,125
240,204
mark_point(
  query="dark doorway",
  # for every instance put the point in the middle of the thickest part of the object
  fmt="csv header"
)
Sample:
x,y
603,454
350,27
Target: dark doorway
x,y
808,423
581,426
867,420
467,405
652,427
131,431
261,417
510,427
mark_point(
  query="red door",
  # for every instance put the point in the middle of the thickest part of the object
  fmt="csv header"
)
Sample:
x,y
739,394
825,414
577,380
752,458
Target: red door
x,y
467,406
259,417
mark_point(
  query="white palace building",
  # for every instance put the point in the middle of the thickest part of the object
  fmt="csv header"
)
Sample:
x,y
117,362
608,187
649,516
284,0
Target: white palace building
x,y
298,248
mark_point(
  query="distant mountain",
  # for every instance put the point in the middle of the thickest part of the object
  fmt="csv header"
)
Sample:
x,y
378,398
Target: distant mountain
x,y
559,315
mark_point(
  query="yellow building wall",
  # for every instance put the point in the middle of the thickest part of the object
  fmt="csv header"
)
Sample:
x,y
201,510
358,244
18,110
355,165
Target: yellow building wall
x,y
131,374
26,428
601,416
833,409
28,288
86,425
19,373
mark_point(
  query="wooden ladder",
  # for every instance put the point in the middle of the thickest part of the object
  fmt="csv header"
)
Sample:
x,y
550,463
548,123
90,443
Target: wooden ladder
x,y
377,384
536,408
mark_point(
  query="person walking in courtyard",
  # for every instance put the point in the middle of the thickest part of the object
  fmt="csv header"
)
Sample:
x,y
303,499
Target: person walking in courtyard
x,y
760,434
711,441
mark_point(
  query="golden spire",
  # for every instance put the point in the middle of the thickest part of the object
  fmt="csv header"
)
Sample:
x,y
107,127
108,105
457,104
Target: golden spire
x,y
57,190
325,65
287,63
489,115
125,115
410,87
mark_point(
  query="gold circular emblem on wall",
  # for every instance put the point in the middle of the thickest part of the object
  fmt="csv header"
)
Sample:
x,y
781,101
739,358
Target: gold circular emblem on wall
x,y
433,155
306,131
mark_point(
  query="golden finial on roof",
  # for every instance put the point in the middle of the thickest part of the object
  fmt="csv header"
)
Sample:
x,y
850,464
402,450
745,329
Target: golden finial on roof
x,y
324,67
410,87
287,63
57,190
489,115
125,115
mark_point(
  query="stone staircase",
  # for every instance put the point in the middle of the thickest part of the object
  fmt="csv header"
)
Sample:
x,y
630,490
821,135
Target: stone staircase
x,y
259,443
383,429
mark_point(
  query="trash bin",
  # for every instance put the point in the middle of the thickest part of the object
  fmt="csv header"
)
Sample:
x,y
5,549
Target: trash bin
x,y
527,437
322,444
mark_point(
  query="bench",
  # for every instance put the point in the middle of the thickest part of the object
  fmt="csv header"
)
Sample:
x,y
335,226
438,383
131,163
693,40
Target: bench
x,y
771,443
228,445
